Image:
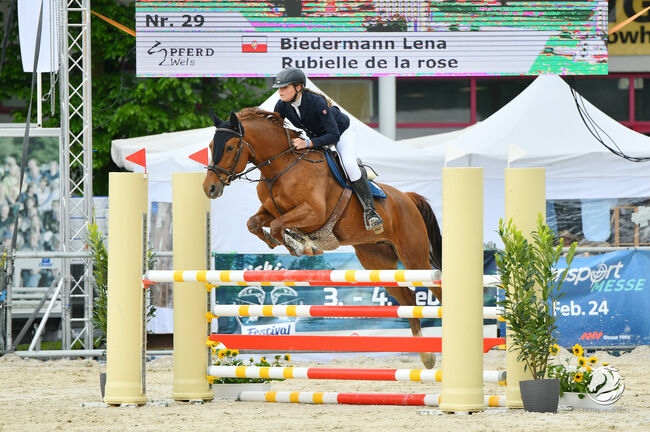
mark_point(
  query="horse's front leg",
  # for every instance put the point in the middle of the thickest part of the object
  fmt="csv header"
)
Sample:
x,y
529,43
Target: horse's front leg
x,y
256,224
303,215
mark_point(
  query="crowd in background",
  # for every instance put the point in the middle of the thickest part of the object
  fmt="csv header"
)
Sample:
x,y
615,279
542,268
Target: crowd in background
x,y
37,206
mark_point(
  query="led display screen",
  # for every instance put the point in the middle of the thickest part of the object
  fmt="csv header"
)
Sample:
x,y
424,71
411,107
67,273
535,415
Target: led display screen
x,y
371,38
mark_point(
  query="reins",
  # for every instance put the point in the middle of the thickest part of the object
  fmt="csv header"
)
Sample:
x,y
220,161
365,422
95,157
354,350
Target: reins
x,y
231,175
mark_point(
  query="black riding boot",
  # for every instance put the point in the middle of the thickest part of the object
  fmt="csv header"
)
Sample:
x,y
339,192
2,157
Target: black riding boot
x,y
371,218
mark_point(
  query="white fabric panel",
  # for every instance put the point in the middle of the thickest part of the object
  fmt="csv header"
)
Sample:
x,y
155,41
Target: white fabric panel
x,y
48,55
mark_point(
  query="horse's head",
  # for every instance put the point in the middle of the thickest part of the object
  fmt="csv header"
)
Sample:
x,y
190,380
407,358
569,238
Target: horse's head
x,y
229,155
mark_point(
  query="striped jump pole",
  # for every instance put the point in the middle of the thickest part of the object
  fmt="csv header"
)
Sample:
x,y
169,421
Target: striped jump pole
x,y
422,375
354,398
298,277
389,278
319,343
339,311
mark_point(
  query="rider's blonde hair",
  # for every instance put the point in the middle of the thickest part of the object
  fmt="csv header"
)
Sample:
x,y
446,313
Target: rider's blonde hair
x,y
327,99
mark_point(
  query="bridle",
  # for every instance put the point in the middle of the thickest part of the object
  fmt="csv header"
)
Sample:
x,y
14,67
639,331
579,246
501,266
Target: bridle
x,y
231,175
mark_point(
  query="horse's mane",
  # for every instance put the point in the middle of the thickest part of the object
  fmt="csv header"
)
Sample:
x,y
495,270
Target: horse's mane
x,y
260,114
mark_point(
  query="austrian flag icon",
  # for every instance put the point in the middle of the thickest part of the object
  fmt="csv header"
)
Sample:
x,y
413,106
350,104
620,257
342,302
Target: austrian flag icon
x,y
253,44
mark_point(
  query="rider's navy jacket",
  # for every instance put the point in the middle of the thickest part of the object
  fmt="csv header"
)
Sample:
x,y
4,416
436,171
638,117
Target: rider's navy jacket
x,y
323,125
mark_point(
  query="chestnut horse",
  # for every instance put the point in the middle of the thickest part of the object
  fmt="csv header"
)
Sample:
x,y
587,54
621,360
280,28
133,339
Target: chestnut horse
x,y
299,193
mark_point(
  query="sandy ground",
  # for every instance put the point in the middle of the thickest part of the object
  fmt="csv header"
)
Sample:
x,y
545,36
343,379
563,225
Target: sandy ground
x,y
48,395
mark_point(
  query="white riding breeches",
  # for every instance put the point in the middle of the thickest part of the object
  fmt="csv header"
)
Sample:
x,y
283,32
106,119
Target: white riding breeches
x,y
347,149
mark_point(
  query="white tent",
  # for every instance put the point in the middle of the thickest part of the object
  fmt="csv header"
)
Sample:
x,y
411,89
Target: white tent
x,y
541,127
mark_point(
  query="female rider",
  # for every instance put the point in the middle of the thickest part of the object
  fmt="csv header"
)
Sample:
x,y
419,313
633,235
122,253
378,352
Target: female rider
x,y
325,125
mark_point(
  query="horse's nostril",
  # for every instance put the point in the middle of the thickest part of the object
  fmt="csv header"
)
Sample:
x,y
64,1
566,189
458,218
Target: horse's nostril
x,y
213,189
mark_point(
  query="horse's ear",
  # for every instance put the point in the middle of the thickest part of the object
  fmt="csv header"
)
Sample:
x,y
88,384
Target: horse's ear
x,y
234,121
215,119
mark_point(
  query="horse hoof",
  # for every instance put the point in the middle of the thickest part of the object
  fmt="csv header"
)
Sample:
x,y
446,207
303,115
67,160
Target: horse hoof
x,y
428,360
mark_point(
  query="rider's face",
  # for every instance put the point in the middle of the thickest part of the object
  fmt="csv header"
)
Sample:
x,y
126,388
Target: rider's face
x,y
287,92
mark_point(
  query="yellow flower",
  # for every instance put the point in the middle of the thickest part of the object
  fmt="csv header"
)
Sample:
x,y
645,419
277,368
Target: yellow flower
x,y
578,377
235,352
588,369
582,361
554,349
605,364
593,360
577,350
287,357
263,359
221,353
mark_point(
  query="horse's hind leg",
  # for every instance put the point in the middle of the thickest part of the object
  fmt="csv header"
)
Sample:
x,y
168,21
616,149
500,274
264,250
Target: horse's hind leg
x,y
412,248
382,256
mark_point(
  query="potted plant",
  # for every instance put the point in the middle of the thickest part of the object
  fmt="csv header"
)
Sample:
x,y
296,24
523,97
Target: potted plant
x,y
231,387
584,382
531,285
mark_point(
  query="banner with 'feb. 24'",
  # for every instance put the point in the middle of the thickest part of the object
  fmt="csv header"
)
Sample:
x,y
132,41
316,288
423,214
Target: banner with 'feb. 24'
x,y
606,300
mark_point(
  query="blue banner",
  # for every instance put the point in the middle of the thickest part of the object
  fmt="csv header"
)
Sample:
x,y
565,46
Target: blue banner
x,y
606,300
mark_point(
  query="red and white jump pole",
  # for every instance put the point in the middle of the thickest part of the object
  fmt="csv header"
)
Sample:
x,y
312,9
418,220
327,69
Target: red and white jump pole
x,y
422,375
355,398
389,278
339,311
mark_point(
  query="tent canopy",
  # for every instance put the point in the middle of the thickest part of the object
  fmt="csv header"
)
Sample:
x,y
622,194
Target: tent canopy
x,y
541,127
544,127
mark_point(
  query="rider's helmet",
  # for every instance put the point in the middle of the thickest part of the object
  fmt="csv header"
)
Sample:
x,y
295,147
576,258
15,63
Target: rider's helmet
x,y
290,75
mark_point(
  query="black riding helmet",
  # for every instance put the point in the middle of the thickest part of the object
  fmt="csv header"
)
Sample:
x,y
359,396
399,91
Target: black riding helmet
x,y
290,75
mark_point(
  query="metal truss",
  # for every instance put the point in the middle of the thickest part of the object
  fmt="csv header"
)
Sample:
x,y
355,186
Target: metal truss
x,y
76,171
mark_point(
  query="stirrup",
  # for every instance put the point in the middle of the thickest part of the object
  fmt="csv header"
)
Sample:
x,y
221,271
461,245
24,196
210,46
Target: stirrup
x,y
373,221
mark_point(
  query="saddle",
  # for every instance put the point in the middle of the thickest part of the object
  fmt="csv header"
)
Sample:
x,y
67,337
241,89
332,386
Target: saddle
x,y
323,238
334,162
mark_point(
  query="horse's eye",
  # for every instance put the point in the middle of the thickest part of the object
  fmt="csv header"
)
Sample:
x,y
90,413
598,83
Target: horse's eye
x,y
229,148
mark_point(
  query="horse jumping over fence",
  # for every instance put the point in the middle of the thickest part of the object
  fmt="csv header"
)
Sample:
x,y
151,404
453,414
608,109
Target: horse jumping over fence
x,y
308,211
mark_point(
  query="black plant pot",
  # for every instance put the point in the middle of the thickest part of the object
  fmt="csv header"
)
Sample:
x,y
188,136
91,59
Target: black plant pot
x,y
541,395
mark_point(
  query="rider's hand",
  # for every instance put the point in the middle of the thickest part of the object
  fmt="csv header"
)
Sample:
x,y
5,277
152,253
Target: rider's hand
x,y
299,143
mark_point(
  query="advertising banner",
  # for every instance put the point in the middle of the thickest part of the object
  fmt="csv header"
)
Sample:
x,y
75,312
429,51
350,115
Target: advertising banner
x,y
370,38
607,300
633,38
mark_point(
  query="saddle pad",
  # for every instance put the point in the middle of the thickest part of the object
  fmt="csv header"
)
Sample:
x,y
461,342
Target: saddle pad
x,y
376,190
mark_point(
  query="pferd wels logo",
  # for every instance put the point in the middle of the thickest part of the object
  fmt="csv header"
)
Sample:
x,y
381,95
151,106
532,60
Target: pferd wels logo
x,y
178,56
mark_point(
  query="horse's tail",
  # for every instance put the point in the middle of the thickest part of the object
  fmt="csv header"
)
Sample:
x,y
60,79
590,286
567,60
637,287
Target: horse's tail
x,y
433,230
